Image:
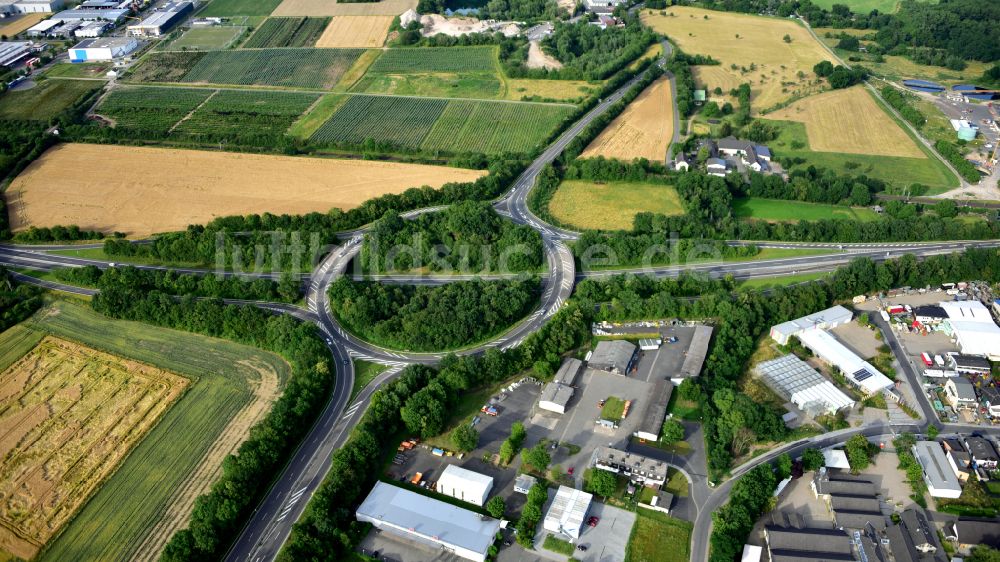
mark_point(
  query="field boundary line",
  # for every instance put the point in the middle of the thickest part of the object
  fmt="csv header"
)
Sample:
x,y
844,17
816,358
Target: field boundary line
x,y
192,112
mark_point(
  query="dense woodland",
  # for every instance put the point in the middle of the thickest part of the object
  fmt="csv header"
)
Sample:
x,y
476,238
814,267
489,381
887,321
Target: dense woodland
x,y
467,237
426,318
288,289
17,300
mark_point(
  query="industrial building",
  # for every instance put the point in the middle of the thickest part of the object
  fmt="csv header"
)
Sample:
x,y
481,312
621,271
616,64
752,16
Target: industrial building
x,y
696,353
428,521
656,410
9,8
103,48
523,483
860,373
822,320
796,544
939,476
854,501
639,469
80,15
568,372
914,539
160,21
794,380
615,357
567,512
12,52
465,485
555,397
973,328
970,364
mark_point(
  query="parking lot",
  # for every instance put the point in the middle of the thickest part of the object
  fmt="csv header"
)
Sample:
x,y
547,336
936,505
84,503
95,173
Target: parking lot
x,y
666,361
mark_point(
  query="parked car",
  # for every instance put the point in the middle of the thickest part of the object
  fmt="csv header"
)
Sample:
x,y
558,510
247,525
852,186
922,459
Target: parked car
x,y
582,548
593,521
570,471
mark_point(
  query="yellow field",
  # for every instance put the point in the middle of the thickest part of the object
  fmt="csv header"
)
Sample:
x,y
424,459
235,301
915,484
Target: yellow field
x,y
643,130
611,206
710,77
517,88
68,415
746,40
16,24
849,121
160,190
331,8
355,31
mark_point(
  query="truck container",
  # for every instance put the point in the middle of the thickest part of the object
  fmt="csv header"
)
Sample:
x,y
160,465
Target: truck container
x,y
885,315
939,361
926,358
437,452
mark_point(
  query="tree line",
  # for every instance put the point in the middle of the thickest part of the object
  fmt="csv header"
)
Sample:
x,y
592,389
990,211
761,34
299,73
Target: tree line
x,y
431,318
18,301
169,282
58,233
953,155
470,237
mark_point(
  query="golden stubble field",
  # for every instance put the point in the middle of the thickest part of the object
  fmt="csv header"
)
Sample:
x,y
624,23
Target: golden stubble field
x,y
643,130
69,414
141,190
16,24
754,44
330,8
355,32
849,121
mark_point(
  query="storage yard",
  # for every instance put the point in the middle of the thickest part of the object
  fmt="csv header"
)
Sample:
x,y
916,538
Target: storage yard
x,y
70,415
160,190
643,130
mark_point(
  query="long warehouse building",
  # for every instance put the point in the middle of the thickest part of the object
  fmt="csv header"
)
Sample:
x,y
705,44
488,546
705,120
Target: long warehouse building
x,y
973,328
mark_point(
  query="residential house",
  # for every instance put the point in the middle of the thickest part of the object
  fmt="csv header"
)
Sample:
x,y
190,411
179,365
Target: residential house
x,y
960,393
984,455
716,167
958,458
968,532
991,397
914,540
681,162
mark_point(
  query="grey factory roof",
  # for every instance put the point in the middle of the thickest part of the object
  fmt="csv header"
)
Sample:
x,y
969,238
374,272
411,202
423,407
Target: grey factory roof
x,y
568,371
978,531
834,483
612,355
972,362
930,311
935,464
556,393
981,449
849,502
807,544
696,352
428,517
963,388
833,315
656,407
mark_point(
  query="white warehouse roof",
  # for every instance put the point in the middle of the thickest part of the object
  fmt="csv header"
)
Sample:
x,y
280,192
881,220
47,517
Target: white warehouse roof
x,y
795,380
429,521
465,485
858,371
829,318
974,328
941,480
567,512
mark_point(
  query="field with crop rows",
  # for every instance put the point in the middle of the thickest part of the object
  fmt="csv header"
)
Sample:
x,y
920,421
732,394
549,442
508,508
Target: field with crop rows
x,y
440,59
68,416
161,471
287,32
150,111
253,117
165,67
433,124
46,100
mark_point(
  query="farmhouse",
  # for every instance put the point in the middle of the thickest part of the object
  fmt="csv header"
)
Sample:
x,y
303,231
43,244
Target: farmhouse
x,y
105,48
428,521
716,167
160,21
567,512
465,485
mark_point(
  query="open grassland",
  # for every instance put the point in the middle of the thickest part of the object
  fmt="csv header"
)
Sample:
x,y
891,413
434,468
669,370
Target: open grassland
x,y
16,24
611,206
208,38
331,8
68,416
315,117
227,8
79,70
519,89
261,118
643,130
792,144
287,32
150,111
461,72
288,68
783,280
436,124
355,32
864,6
849,121
45,100
657,537
753,44
159,190
774,210
180,457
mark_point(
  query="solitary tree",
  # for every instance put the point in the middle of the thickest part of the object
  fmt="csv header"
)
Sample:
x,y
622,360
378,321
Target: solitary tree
x,y
858,451
537,457
465,438
673,431
812,459
602,483
787,38
496,507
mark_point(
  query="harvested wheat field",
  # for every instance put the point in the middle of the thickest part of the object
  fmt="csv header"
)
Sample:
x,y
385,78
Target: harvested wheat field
x,y
69,414
355,31
150,190
16,24
849,121
754,44
643,130
330,8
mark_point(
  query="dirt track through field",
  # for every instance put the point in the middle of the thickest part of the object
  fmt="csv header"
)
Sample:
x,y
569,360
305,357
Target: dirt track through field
x,y
355,31
849,121
208,470
643,130
141,190
329,8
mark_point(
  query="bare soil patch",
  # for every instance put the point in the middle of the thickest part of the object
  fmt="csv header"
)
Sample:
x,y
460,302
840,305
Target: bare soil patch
x,y
537,58
154,190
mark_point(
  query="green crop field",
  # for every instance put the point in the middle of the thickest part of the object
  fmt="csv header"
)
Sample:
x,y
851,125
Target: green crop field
x,y
442,125
45,100
208,38
116,519
657,537
793,211
148,110
79,70
255,117
864,6
793,143
287,32
239,8
611,205
435,59
165,67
